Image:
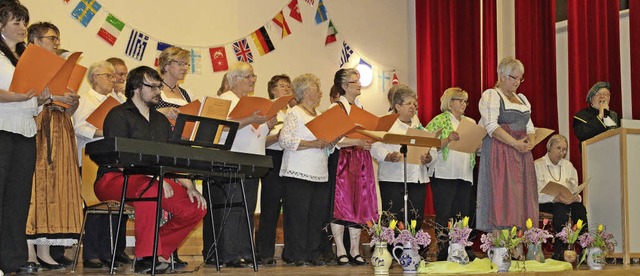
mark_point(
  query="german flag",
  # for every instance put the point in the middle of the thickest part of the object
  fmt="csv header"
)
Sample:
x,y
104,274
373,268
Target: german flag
x,y
263,42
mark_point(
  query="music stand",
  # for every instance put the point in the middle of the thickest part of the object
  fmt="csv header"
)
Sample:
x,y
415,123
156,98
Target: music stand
x,y
204,132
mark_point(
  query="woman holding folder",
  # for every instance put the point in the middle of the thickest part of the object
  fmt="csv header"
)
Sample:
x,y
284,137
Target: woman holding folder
x,y
452,174
554,168
174,64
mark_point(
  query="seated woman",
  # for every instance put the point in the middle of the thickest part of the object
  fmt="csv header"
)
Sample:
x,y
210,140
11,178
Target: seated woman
x,y
553,167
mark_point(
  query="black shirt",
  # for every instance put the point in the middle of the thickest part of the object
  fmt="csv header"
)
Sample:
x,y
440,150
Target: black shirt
x,y
586,123
126,121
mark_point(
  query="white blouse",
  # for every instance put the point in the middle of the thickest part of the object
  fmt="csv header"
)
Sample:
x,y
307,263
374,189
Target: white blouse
x,y
489,108
248,139
274,131
563,173
308,164
393,171
458,164
17,117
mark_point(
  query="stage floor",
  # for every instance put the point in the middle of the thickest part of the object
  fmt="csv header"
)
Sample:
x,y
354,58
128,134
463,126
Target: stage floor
x,y
284,269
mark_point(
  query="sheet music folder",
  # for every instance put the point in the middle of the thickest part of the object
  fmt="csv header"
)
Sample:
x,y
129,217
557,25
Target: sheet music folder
x,y
205,135
400,139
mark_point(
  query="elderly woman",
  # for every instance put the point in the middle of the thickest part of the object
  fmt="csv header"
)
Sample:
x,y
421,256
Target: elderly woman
x,y
272,189
355,199
391,167
174,64
233,245
17,137
453,171
305,182
554,168
507,193
597,118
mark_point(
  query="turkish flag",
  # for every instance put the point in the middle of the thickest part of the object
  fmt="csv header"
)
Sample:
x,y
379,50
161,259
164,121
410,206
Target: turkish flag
x,y
219,59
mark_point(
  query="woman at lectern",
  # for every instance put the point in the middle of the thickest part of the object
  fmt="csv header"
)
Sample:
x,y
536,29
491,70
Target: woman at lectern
x,y
554,168
391,167
597,118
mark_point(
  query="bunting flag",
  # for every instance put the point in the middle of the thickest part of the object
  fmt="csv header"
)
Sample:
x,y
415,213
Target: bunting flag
x,y
331,33
137,44
394,81
295,11
321,13
111,29
219,59
262,41
242,50
310,2
85,10
196,61
161,46
346,53
282,23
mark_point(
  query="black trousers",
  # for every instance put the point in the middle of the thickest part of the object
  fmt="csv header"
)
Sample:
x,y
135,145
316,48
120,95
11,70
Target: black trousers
x,y
17,163
451,197
392,196
304,209
231,224
270,206
97,244
561,214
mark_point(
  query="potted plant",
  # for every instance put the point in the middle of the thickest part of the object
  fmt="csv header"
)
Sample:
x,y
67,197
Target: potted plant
x,y
597,245
381,235
499,245
569,235
459,232
411,240
533,238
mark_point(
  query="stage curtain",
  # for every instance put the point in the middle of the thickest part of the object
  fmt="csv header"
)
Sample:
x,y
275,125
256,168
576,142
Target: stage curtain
x,y
489,46
594,55
634,41
536,49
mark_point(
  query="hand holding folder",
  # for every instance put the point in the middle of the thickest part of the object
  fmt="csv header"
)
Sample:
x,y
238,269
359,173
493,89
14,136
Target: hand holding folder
x,y
248,105
97,117
331,124
471,136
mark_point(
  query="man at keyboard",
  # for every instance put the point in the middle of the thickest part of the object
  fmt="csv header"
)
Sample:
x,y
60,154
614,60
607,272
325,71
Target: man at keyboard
x,y
137,119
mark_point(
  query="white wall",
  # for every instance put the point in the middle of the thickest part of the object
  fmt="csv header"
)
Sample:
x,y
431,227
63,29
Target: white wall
x,y
381,31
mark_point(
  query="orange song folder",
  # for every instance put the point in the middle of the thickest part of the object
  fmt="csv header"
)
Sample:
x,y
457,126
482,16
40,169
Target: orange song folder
x,y
214,108
191,108
331,124
97,117
371,122
248,105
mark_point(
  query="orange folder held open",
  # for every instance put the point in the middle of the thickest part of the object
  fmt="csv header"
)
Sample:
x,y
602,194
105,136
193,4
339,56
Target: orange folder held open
x,y
331,124
248,105
371,122
97,117
191,108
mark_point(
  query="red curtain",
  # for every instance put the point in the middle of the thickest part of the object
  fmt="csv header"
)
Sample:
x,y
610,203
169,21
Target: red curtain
x,y
489,46
536,49
634,41
594,55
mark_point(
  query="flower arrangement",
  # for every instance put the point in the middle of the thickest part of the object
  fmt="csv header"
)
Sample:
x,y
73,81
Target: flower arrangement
x,y
410,235
601,239
569,233
505,238
381,233
459,232
536,235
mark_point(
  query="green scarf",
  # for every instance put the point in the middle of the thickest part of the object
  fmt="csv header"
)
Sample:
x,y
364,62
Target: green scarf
x,y
443,121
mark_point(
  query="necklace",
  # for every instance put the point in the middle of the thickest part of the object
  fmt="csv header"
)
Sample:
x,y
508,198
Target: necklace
x,y
309,111
554,178
168,86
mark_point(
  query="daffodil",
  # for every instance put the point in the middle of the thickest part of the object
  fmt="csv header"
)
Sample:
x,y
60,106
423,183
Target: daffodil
x,y
529,223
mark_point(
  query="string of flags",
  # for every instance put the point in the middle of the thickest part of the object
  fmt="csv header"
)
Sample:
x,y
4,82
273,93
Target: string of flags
x,y
241,48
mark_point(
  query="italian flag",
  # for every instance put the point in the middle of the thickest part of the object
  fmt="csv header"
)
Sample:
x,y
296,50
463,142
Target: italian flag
x,y
111,29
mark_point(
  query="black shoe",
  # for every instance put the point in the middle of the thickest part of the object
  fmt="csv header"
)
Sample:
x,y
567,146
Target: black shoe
x,y
357,260
28,268
64,261
339,260
317,262
49,266
234,263
144,266
177,262
299,263
93,263
107,263
210,262
267,261
122,257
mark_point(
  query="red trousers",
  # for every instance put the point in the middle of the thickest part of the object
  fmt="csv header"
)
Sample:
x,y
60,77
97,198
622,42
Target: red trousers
x,y
185,214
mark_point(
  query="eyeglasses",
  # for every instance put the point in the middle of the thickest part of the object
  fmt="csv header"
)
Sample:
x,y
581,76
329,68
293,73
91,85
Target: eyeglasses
x,y
560,149
153,87
462,101
520,79
108,75
254,76
53,38
352,82
181,63
603,94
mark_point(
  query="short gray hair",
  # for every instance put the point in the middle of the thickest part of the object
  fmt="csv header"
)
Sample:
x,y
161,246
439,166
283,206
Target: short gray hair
x,y
103,64
401,95
507,66
302,83
555,139
239,69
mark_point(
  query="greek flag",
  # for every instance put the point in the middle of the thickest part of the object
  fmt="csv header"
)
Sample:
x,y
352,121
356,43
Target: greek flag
x,y
137,44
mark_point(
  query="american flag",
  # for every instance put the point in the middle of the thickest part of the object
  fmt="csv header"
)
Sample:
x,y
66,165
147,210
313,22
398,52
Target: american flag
x,y
242,50
346,53
137,44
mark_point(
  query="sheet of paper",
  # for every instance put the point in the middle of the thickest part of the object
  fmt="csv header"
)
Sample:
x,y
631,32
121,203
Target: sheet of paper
x,y
331,124
541,134
471,136
414,152
97,117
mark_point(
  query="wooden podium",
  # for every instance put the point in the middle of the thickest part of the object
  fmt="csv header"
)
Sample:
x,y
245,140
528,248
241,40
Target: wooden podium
x,y
612,161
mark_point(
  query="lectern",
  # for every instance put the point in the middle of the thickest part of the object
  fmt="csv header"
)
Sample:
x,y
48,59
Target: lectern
x,y
612,161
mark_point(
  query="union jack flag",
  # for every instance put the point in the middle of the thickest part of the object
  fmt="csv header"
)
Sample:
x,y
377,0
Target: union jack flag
x,y
242,50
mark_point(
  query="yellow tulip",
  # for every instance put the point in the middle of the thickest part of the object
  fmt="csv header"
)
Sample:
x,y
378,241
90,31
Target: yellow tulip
x,y
529,223
579,224
413,224
392,224
465,222
600,228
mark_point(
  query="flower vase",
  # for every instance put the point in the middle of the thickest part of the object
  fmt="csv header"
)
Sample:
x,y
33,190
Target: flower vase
x,y
457,254
501,258
595,258
534,252
570,255
381,258
409,259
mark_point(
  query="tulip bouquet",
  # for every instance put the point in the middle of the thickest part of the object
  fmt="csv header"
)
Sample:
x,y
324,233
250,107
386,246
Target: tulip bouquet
x,y
601,239
509,239
411,235
459,232
536,235
381,233
569,233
